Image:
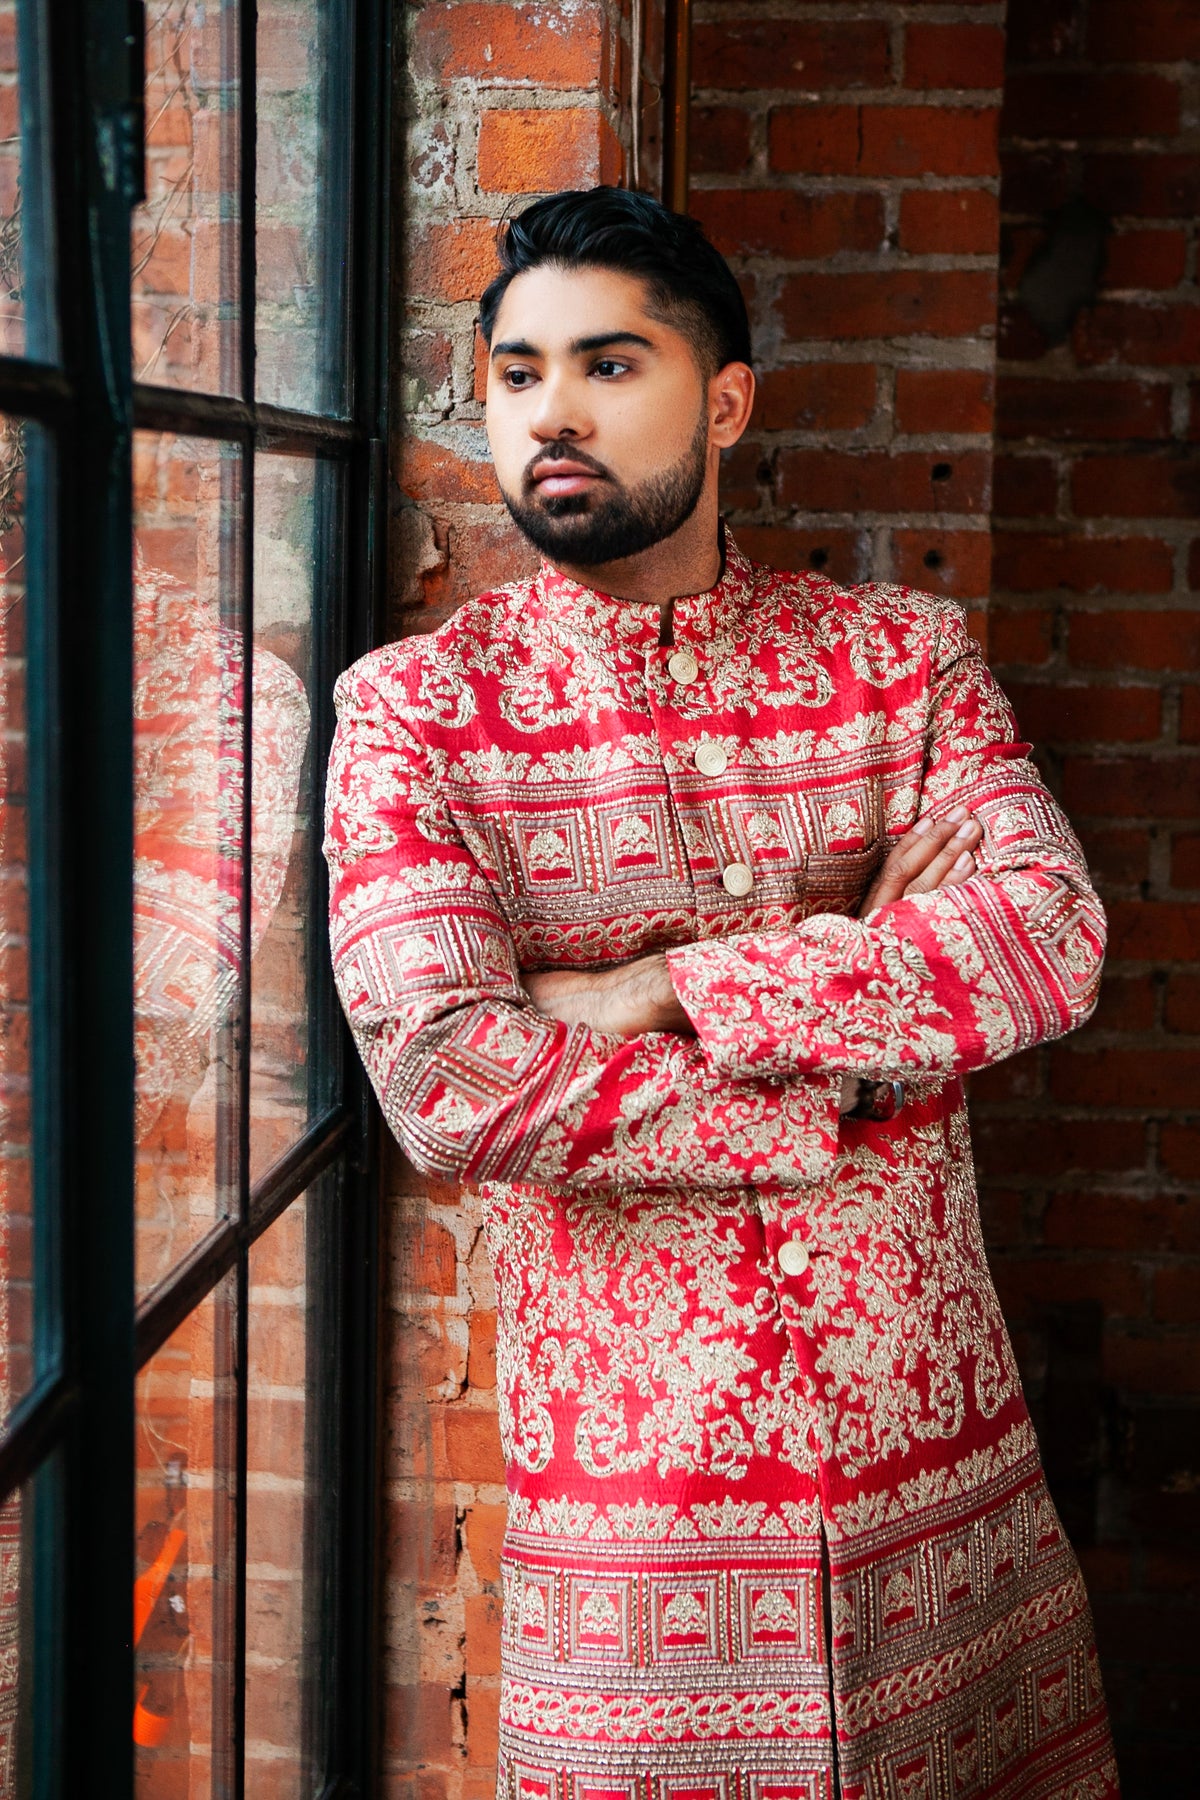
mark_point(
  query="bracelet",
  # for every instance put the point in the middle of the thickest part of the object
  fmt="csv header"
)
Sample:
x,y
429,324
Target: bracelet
x,y
878,1101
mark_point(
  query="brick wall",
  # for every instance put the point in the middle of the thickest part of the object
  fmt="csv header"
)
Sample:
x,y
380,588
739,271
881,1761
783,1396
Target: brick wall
x,y
1091,1150
847,166
502,101
848,161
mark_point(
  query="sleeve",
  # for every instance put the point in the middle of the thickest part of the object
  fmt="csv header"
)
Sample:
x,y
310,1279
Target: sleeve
x,y
473,1081
941,983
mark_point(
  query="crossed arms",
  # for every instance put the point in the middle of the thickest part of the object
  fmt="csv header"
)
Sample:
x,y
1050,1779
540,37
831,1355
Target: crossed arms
x,y
486,1072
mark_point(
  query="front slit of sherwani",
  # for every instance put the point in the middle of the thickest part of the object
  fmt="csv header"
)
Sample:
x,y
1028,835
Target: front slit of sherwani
x,y
777,1523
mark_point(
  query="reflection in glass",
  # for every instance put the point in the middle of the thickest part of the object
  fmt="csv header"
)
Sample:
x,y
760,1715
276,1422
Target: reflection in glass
x,y
16,1220
290,502
185,252
191,867
183,1599
12,280
289,1500
303,208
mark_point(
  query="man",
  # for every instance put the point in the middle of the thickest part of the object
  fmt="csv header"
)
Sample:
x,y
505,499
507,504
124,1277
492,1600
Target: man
x,y
671,899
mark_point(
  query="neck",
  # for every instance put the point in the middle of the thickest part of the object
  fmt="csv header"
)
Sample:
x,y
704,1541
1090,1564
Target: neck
x,y
688,562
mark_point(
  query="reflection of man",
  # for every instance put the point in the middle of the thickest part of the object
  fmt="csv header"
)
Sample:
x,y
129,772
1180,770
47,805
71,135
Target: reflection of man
x,y
189,788
614,926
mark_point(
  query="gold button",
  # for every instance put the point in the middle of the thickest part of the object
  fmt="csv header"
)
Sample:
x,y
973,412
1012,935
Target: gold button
x,y
683,667
737,879
711,758
793,1257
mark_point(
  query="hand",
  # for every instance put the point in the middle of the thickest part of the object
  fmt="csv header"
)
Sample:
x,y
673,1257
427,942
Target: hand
x,y
624,1002
936,853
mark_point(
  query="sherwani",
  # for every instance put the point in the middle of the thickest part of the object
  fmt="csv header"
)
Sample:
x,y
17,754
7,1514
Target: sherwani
x,y
777,1528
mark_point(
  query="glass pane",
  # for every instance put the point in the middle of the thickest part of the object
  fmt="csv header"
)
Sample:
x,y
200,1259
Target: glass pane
x,y
189,716
16,1217
291,1499
185,248
185,1580
294,536
303,160
19,1646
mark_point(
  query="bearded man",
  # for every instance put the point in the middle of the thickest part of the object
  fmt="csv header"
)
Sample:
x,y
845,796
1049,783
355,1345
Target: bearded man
x,y
672,899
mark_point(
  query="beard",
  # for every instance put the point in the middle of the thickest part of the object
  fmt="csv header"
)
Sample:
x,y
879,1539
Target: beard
x,y
613,521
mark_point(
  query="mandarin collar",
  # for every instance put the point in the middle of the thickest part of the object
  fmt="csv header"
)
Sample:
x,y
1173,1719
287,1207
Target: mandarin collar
x,y
712,618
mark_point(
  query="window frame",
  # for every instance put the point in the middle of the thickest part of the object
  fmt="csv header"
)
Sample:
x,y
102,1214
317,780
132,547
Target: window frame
x,y
77,1422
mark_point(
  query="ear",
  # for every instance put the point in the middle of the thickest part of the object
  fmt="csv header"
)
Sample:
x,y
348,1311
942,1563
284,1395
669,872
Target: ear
x,y
730,399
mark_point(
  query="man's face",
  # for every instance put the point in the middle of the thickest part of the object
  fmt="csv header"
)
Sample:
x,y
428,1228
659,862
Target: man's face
x,y
597,415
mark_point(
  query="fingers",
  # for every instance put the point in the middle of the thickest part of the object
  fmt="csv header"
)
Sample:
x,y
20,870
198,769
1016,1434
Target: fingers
x,y
953,861
935,853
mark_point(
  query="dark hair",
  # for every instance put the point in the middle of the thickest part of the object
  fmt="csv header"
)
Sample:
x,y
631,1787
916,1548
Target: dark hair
x,y
690,284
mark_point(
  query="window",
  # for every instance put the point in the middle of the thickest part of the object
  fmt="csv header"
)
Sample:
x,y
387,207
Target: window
x,y
192,385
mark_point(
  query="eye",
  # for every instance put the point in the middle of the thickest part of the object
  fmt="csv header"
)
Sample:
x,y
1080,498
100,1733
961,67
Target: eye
x,y
517,378
608,368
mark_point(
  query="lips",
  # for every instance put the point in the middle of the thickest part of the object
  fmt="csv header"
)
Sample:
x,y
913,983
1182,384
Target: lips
x,y
560,476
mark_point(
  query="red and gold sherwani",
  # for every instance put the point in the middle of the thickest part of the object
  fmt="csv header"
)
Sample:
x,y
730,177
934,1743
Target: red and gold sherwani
x,y
778,1529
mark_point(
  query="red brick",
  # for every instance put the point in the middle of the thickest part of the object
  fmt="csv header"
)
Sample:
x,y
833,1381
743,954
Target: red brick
x,y
1037,30
451,261
1027,406
1135,640
958,563
1132,487
472,1444
718,141
953,56
1103,1221
1125,1078
1179,1150
422,1543
842,555
901,303
928,140
483,1634
483,1723
1126,1004
434,472
1028,1282
1047,1147
944,400
814,140
523,152
1189,716
1126,332
485,1527
780,222
1159,931
1054,714
876,481
1020,635
742,469
815,396
481,1355
1145,259
426,367
1182,1009
1153,1365
949,221
1024,487
1149,31
1141,787
1030,562
1145,186
1108,103
782,53
1185,860
547,46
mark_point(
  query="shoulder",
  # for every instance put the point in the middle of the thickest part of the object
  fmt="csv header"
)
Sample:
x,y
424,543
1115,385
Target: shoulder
x,y
398,677
881,611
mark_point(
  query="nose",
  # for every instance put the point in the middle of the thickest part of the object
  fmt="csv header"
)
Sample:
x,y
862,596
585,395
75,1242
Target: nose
x,y
560,410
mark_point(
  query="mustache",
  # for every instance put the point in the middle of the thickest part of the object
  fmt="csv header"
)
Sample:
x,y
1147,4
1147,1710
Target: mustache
x,y
562,452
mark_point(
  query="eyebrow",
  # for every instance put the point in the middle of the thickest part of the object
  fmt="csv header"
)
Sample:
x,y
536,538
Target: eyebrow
x,y
602,340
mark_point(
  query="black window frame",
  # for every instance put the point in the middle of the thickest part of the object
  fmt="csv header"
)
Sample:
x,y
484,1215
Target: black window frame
x,y
74,1430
